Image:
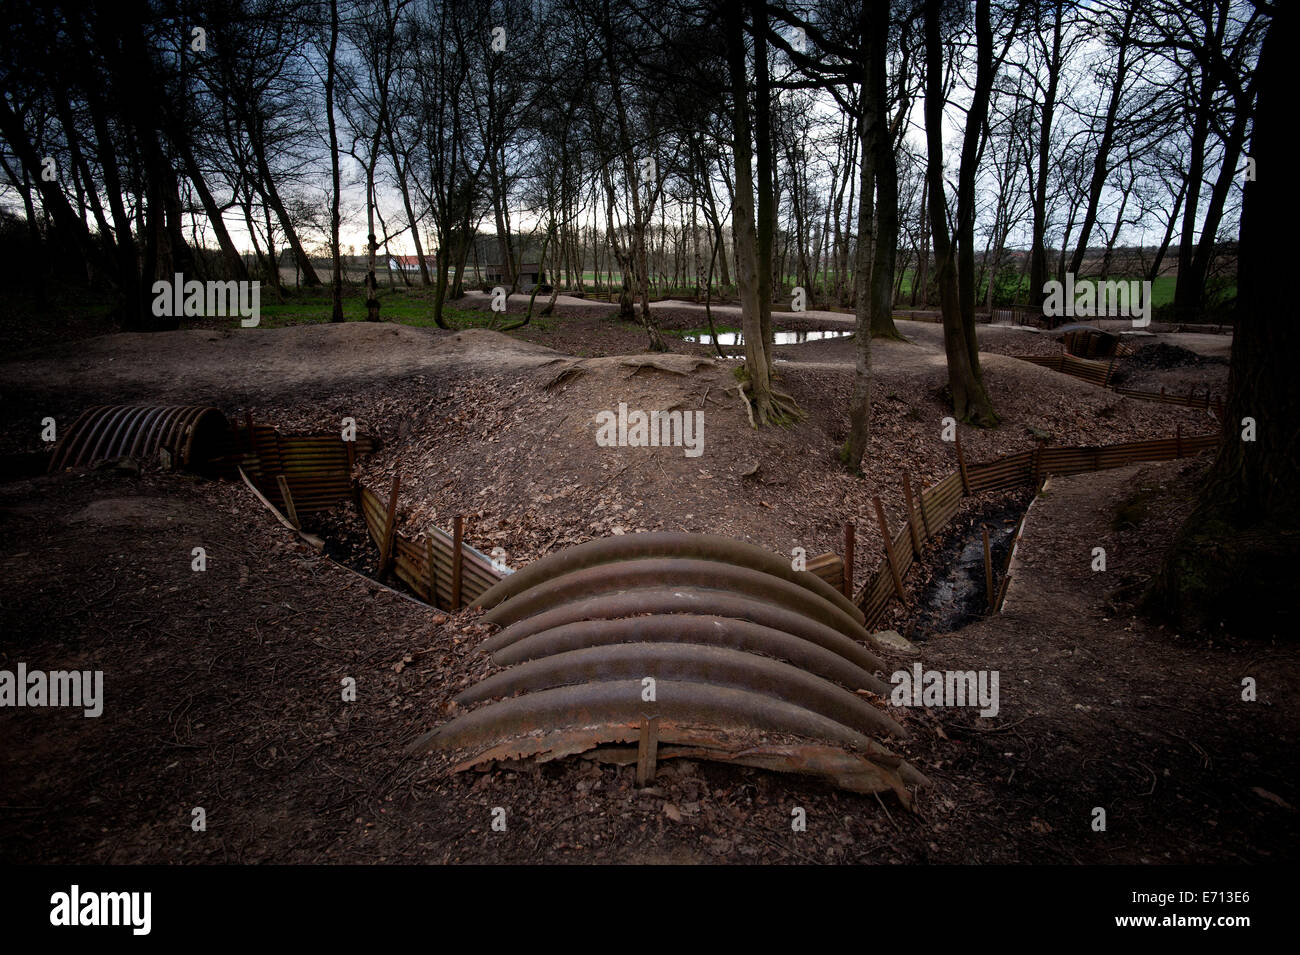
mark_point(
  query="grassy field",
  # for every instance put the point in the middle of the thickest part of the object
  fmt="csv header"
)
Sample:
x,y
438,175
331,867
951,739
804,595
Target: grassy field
x,y
404,306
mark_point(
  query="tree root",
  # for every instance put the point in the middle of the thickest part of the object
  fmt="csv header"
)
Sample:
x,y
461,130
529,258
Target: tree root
x,y
779,409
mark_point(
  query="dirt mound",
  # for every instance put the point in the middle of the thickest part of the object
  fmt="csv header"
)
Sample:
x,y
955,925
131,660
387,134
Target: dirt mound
x,y
1162,355
207,365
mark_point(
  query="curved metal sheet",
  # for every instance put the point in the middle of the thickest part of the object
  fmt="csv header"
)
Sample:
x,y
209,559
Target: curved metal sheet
x,y
686,600
190,433
692,628
590,704
673,571
692,663
663,544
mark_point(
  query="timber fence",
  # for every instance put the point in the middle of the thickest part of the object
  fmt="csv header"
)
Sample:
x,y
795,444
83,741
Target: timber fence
x,y
1101,373
936,506
305,474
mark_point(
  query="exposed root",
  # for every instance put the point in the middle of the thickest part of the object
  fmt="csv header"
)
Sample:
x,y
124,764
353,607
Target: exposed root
x,y
749,408
778,409
565,375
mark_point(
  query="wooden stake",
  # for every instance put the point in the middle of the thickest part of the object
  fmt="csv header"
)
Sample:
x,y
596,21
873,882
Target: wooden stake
x,y
925,519
988,568
1034,460
457,561
911,516
961,464
1178,441
1002,594
889,549
433,572
390,526
647,751
290,511
849,535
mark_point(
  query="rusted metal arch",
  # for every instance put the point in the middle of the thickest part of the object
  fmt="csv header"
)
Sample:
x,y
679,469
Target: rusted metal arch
x,y
725,709
663,601
109,431
626,547
672,572
688,628
692,663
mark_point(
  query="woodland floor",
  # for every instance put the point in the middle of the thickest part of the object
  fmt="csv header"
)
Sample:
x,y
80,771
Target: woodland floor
x,y
223,687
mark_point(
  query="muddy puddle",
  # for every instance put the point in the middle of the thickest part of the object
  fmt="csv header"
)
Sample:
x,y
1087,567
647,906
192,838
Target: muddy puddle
x,y
956,593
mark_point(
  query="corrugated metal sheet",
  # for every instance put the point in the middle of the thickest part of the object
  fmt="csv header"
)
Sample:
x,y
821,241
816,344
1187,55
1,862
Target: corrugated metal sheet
x,y
191,434
591,629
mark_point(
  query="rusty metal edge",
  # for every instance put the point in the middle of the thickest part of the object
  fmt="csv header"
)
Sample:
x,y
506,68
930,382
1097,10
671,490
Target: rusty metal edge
x,y
591,704
838,767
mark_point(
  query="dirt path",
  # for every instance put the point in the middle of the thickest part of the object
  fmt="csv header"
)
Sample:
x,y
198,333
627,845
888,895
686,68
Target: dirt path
x,y
1102,709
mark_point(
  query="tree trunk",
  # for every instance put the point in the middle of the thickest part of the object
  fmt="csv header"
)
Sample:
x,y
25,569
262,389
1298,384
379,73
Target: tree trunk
x,y
336,256
970,401
1233,562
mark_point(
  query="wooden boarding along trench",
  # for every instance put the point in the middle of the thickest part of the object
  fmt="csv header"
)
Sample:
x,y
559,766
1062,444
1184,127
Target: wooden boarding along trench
x,y
1100,373
295,475
935,506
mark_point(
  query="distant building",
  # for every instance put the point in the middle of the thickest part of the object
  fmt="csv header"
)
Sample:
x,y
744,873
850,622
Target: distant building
x,y
529,276
409,263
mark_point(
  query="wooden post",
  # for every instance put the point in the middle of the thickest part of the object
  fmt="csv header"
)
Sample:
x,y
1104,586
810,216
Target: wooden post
x,y
433,572
647,751
961,464
988,567
911,515
457,560
248,422
1002,593
889,549
290,511
1178,441
390,527
849,535
1034,461
925,518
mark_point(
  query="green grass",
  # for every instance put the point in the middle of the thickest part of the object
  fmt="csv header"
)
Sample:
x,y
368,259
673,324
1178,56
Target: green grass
x,y
1162,289
403,306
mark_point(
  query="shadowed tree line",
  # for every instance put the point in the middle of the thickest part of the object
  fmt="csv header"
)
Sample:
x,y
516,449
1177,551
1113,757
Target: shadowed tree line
x,y
869,154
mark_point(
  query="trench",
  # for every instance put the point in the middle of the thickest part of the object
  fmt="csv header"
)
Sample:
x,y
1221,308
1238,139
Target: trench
x,y
955,593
